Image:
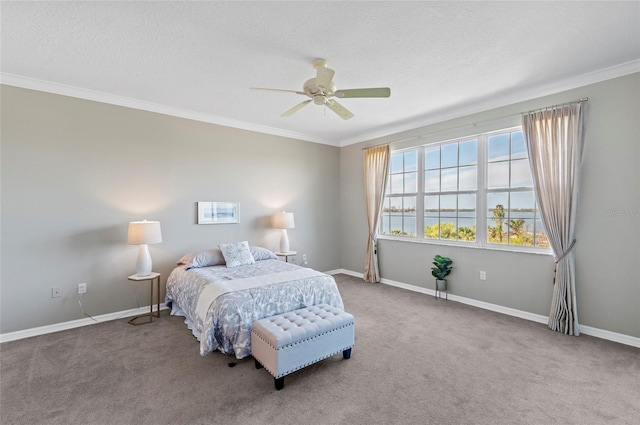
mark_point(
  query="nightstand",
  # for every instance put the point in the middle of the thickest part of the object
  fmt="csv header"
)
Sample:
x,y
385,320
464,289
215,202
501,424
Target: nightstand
x,y
286,255
150,277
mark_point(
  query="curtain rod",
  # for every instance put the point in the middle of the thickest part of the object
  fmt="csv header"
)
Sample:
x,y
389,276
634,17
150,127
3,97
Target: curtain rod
x,y
380,144
444,130
475,123
583,99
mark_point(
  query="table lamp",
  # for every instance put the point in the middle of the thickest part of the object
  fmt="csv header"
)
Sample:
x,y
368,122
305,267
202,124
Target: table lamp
x,y
143,233
284,221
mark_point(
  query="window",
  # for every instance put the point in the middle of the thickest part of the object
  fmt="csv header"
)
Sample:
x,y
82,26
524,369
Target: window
x,y
475,191
399,208
512,213
450,185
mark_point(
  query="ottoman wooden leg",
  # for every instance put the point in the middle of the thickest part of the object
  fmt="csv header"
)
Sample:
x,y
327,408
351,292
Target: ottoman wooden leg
x,y
258,364
279,383
346,354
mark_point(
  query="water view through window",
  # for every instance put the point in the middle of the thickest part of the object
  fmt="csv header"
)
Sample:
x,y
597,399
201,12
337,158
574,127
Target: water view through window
x,y
446,182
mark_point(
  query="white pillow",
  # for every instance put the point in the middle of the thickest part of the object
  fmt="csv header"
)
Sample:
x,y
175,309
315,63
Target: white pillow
x,y
209,257
236,254
260,253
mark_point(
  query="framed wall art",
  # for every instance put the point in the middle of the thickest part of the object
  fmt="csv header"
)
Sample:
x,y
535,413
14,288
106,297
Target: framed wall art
x,y
218,212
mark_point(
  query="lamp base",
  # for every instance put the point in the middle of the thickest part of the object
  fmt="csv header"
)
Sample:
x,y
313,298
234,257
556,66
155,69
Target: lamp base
x,y
143,265
284,241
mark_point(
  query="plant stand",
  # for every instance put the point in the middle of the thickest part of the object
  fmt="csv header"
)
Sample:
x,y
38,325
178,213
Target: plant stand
x,y
441,286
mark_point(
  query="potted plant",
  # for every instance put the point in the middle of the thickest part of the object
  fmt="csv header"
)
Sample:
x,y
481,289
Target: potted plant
x,y
441,271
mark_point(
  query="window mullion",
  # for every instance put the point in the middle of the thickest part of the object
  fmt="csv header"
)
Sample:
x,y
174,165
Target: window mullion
x,y
481,198
420,195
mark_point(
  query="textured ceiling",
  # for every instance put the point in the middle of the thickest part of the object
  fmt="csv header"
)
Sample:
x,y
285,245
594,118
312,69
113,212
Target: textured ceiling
x,y
198,59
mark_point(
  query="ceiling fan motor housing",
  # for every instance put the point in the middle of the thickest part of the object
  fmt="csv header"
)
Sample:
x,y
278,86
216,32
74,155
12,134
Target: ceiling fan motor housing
x,y
312,89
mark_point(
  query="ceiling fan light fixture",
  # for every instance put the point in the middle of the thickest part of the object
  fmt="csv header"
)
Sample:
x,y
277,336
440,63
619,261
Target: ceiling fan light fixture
x,y
319,99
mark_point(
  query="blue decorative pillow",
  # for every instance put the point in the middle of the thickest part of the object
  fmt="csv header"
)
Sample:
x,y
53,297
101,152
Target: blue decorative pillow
x,y
260,254
209,257
237,254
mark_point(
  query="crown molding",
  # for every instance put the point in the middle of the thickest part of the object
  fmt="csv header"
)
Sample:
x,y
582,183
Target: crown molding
x,y
128,102
486,104
501,100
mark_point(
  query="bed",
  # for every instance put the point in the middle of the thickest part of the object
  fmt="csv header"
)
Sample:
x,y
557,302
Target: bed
x,y
220,297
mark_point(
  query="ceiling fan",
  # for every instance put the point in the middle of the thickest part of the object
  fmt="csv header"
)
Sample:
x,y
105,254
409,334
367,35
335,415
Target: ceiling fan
x,y
321,89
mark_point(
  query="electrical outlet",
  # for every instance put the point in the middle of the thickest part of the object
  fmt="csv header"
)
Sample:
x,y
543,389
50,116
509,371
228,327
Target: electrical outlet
x,y
82,288
56,292
304,259
483,275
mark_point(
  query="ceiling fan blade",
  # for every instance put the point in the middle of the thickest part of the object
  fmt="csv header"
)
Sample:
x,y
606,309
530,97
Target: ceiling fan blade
x,y
343,112
372,92
324,76
296,108
280,90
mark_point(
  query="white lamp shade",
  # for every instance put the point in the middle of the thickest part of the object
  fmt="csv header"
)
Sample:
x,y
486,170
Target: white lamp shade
x,y
284,220
144,232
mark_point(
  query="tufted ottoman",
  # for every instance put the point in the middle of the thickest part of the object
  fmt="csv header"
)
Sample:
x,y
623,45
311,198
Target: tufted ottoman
x,y
290,341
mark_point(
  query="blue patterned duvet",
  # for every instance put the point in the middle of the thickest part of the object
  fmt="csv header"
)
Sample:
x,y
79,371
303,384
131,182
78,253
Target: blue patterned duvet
x,y
227,323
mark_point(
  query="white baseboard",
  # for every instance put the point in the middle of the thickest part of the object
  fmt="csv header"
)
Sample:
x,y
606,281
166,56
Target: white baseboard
x,y
12,336
611,336
587,330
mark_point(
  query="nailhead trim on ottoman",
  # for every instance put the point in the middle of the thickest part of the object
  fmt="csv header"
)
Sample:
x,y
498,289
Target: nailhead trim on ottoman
x,y
290,341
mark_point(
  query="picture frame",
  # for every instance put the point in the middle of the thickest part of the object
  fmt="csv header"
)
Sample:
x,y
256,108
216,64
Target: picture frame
x,y
218,212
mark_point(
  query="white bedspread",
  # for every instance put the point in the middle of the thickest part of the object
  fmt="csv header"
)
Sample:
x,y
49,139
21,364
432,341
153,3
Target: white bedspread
x,y
215,289
220,304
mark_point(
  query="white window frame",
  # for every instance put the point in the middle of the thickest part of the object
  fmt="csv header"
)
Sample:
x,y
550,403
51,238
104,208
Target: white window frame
x,y
404,194
481,198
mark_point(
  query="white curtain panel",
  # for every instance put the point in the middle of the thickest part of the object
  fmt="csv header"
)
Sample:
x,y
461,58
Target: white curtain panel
x,y
554,138
376,168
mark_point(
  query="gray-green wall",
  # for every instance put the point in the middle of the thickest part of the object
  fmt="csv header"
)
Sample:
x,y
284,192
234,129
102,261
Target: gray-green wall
x,y
608,221
75,172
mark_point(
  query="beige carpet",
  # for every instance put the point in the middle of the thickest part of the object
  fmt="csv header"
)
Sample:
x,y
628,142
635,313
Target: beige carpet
x,y
416,361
